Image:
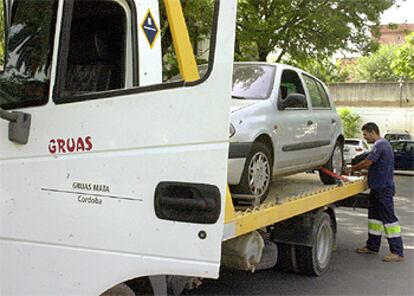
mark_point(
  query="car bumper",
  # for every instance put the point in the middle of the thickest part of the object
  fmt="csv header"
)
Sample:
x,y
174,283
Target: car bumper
x,y
237,158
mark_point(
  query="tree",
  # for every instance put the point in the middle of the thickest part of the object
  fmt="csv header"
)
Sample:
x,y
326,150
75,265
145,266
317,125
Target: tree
x,y
377,66
305,29
325,70
403,64
199,19
351,122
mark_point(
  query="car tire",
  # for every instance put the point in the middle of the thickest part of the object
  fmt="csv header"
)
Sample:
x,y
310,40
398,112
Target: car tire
x,y
257,172
334,164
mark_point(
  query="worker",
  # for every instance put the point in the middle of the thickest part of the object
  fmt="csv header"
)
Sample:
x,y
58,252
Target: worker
x,y
381,216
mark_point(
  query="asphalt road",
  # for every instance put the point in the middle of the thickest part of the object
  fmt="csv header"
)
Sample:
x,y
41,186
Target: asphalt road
x,y
350,273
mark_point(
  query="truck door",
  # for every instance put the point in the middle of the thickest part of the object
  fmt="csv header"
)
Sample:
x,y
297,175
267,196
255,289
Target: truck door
x,y
116,180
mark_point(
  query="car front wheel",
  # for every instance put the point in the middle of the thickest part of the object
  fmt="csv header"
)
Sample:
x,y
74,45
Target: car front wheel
x,y
257,173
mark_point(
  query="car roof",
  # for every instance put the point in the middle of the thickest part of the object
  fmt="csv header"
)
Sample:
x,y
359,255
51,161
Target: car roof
x,y
399,132
403,141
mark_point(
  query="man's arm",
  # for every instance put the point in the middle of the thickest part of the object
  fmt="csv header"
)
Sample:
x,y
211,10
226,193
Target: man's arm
x,y
363,165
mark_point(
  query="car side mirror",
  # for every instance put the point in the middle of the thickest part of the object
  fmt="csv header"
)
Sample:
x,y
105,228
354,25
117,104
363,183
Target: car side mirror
x,y
293,100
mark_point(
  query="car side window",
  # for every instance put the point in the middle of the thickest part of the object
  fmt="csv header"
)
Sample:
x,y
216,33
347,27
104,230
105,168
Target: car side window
x,y
409,147
291,83
318,96
398,147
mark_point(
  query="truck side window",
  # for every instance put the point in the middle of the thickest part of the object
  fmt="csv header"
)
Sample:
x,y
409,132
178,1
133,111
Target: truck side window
x,y
26,76
96,57
290,83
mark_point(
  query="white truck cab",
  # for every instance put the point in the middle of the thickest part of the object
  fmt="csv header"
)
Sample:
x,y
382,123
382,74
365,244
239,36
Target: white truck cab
x,y
112,181
106,173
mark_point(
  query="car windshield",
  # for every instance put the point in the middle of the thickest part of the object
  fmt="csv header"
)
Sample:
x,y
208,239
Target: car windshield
x,y
26,76
252,82
396,137
352,142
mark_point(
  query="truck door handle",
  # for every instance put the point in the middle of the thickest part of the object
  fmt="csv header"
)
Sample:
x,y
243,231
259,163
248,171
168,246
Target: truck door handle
x,y
187,202
310,122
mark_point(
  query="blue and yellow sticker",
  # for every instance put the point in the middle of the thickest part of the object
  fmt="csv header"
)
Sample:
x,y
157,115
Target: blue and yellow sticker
x,y
150,28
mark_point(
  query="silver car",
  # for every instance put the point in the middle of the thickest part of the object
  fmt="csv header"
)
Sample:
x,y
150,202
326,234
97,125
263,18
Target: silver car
x,y
282,122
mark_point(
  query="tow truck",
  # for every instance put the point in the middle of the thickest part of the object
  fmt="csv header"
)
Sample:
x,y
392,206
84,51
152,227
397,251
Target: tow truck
x,y
112,181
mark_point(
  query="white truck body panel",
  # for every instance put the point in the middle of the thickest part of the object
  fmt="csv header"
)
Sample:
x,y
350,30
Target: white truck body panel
x,y
79,222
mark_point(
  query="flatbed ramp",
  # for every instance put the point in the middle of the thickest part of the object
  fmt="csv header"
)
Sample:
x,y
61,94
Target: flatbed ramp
x,y
289,197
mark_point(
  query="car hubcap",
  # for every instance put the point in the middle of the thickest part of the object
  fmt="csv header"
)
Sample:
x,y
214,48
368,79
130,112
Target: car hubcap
x,y
259,174
337,161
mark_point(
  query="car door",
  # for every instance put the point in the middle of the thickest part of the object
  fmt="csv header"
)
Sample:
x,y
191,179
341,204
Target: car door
x,y
112,181
293,126
323,117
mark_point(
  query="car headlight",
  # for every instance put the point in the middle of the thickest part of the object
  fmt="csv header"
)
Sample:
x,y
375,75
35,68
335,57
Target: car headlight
x,y
232,130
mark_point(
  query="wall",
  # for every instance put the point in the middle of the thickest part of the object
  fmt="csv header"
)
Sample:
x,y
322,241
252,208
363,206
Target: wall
x,y
384,103
381,94
388,118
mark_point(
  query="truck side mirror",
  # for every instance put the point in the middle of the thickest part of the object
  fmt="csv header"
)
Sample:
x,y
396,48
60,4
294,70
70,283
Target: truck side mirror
x,y
19,125
293,100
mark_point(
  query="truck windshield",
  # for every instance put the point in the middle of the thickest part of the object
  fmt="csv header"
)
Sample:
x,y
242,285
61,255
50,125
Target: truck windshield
x,y
26,75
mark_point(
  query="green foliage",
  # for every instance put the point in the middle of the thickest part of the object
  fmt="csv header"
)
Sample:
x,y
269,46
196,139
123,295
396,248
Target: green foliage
x,y
305,30
351,122
198,15
377,66
325,70
403,64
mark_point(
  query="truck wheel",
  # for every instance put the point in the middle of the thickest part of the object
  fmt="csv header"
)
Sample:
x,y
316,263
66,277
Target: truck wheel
x,y
257,173
315,260
286,258
335,164
119,290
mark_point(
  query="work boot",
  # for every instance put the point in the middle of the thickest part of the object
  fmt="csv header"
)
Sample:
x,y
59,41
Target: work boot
x,y
365,250
391,257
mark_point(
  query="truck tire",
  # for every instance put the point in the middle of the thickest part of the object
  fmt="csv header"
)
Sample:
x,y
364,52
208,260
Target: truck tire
x,y
286,258
257,172
315,260
335,164
119,290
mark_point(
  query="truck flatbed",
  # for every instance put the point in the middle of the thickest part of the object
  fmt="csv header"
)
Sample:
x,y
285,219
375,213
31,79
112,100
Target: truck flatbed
x,y
289,196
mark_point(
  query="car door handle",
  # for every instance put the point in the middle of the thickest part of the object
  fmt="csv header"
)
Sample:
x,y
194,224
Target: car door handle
x,y
333,121
310,122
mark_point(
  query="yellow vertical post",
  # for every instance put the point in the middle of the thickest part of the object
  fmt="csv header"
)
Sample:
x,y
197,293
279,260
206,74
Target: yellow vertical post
x,y
181,40
229,213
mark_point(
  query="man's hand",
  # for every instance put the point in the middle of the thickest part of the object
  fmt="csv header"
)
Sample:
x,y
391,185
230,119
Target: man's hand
x,y
347,170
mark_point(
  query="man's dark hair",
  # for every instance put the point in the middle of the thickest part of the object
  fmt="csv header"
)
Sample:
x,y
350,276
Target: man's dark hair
x,y
371,127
